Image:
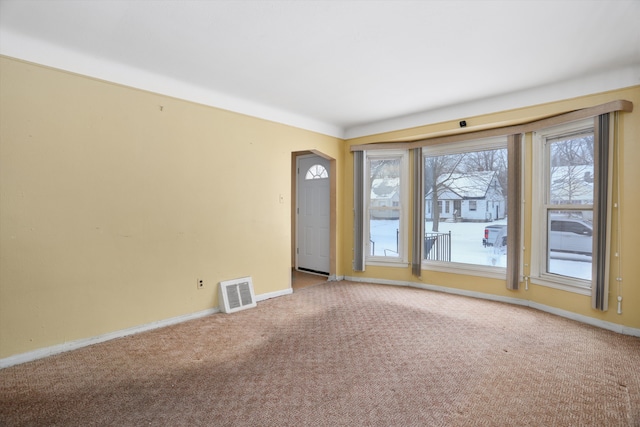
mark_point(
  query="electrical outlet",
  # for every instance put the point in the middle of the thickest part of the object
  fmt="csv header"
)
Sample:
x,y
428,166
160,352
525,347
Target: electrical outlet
x,y
200,283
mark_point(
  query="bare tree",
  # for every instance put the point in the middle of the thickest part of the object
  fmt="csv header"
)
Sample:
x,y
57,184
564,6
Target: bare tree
x,y
479,161
572,151
383,168
438,173
571,174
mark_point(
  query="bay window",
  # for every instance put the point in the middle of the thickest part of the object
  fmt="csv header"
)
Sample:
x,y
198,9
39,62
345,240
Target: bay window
x,y
467,201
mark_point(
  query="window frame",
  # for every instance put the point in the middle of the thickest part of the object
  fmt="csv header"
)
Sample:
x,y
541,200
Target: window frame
x,y
485,144
541,176
401,260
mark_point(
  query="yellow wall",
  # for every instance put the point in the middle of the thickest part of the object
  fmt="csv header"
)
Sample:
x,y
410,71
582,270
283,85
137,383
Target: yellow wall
x,y
114,201
628,173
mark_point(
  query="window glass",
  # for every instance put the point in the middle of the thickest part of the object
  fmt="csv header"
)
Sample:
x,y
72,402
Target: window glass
x,y
570,243
568,207
471,180
385,178
316,172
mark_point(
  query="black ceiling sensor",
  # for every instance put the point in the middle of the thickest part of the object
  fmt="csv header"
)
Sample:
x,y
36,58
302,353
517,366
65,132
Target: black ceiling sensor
x,y
463,123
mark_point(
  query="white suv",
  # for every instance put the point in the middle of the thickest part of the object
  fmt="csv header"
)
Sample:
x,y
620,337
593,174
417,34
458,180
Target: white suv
x,y
574,235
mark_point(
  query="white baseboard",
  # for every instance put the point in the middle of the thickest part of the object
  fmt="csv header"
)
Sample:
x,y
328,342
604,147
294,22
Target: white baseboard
x,y
74,345
621,329
275,294
84,342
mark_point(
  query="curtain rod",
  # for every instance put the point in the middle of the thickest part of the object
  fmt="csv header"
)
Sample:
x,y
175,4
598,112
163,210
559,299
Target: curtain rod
x,y
619,105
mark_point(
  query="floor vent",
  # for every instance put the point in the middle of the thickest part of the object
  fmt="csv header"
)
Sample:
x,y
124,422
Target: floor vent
x,y
236,295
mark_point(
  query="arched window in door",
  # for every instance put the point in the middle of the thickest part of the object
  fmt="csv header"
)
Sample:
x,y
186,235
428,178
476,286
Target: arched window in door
x,y
316,172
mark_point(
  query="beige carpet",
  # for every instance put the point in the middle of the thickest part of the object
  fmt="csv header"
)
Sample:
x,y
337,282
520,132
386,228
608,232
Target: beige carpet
x,y
341,354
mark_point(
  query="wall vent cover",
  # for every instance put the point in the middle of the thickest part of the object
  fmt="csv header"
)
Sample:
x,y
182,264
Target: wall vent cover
x,y
237,294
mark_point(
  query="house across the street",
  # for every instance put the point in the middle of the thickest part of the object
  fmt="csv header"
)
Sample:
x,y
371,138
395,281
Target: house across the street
x,y
474,196
385,193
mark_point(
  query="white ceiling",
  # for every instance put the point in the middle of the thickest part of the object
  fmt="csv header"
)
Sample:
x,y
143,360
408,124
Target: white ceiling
x,y
343,68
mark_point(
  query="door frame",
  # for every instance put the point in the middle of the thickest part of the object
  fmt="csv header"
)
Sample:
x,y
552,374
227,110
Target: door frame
x,y
332,209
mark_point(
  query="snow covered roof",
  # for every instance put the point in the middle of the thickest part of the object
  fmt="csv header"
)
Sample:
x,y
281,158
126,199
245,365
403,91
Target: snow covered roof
x,y
384,188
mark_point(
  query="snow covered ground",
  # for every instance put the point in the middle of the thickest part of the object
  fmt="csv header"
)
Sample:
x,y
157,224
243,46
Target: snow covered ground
x,y
466,247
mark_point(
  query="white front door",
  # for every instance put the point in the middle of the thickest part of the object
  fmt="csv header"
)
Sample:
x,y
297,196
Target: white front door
x,y
313,214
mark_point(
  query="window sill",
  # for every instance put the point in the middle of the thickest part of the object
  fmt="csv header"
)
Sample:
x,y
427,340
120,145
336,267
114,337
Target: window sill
x,y
576,289
387,263
466,269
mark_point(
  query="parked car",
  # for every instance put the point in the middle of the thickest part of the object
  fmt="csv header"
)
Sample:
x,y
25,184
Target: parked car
x,y
569,234
498,251
566,234
491,232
